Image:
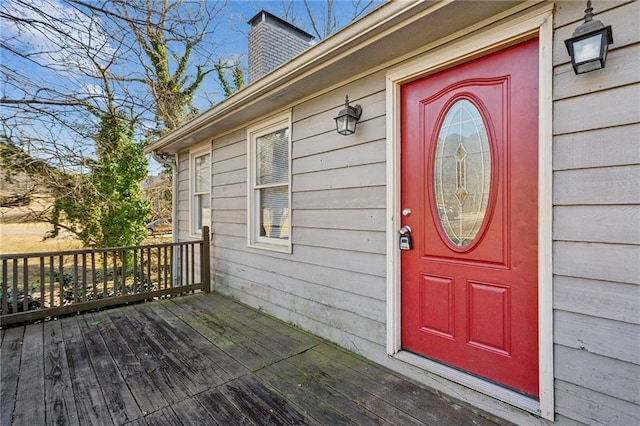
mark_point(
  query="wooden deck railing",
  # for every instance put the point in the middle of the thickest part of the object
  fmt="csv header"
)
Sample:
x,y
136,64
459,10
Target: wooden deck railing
x,y
42,285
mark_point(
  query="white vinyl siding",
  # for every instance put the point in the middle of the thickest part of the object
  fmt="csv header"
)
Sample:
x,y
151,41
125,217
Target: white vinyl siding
x,y
596,237
333,282
269,176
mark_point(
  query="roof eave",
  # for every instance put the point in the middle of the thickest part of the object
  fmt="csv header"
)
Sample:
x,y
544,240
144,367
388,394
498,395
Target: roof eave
x,y
369,26
369,42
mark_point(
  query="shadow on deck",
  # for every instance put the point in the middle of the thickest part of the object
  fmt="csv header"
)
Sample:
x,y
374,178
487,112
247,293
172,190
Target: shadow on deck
x,y
203,360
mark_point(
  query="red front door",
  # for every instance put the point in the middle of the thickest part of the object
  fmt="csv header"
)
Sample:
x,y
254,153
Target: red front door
x,y
469,194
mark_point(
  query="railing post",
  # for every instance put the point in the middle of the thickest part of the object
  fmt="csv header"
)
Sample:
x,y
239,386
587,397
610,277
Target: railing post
x,y
205,261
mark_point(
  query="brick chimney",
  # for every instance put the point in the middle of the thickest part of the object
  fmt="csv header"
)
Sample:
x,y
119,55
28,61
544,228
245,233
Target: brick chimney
x,y
272,42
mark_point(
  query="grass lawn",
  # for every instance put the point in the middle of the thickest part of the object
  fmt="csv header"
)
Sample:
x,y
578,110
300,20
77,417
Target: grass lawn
x,y
28,238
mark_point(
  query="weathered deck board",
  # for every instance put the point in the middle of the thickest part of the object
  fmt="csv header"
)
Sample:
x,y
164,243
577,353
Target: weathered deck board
x,y
321,402
167,378
353,386
120,402
90,402
201,359
226,334
221,409
60,404
224,368
168,352
190,412
9,370
164,417
419,403
29,408
145,391
202,372
262,405
272,338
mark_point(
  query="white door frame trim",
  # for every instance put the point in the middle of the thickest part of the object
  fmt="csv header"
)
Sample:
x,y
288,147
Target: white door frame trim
x,y
507,32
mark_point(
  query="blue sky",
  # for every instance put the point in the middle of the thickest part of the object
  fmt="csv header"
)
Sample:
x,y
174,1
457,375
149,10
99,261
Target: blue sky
x,y
236,29
230,32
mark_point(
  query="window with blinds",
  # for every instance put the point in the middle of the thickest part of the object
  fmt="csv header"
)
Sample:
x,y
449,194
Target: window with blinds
x,y
200,190
269,177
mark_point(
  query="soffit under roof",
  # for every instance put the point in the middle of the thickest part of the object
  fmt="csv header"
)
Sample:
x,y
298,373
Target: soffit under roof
x,y
379,38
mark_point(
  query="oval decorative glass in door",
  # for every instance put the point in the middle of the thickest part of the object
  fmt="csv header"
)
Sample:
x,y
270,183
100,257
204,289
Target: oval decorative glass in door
x,y
462,173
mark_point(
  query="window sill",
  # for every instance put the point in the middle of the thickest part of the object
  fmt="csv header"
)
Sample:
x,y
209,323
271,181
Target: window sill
x,y
280,248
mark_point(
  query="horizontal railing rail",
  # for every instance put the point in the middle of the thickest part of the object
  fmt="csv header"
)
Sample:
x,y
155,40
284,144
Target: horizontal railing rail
x,y
45,285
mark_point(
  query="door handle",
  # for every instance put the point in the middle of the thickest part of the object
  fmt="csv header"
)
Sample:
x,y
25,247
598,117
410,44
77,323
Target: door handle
x,y
405,230
405,238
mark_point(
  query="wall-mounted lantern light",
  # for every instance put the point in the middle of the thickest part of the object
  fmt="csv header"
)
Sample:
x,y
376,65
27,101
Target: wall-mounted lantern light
x,y
348,118
589,43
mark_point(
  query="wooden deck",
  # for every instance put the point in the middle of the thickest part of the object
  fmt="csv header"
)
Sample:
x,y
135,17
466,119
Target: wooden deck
x,y
201,360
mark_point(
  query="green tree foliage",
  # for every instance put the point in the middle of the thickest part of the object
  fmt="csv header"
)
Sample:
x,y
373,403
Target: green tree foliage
x,y
237,77
107,208
102,205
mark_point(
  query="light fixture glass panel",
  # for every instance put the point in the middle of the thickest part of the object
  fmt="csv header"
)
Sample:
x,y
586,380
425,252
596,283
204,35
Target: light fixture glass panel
x,y
341,124
587,49
351,124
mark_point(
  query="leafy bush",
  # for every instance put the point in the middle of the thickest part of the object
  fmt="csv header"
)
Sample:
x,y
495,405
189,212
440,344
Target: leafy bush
x,y
32,303
135,281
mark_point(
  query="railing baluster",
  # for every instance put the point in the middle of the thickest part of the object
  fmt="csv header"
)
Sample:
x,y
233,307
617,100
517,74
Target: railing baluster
x,y
185,276
169,272
145,280
94,293
14,294
42,301
5,287
115,273
52,268
149,261
141,272
104,274
25,285
144,271
135,272
187,264
76,283
84,277
173,266
205,259
140,269
160,268
193,263
182,261
121,274
125,265
61,296
165,264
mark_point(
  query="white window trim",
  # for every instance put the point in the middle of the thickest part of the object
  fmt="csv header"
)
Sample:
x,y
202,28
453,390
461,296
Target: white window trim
x,y
536,23
193,154
253,219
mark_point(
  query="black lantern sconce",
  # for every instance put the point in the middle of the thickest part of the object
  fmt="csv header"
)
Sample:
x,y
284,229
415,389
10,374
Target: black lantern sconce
x,y
589,44
348,118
